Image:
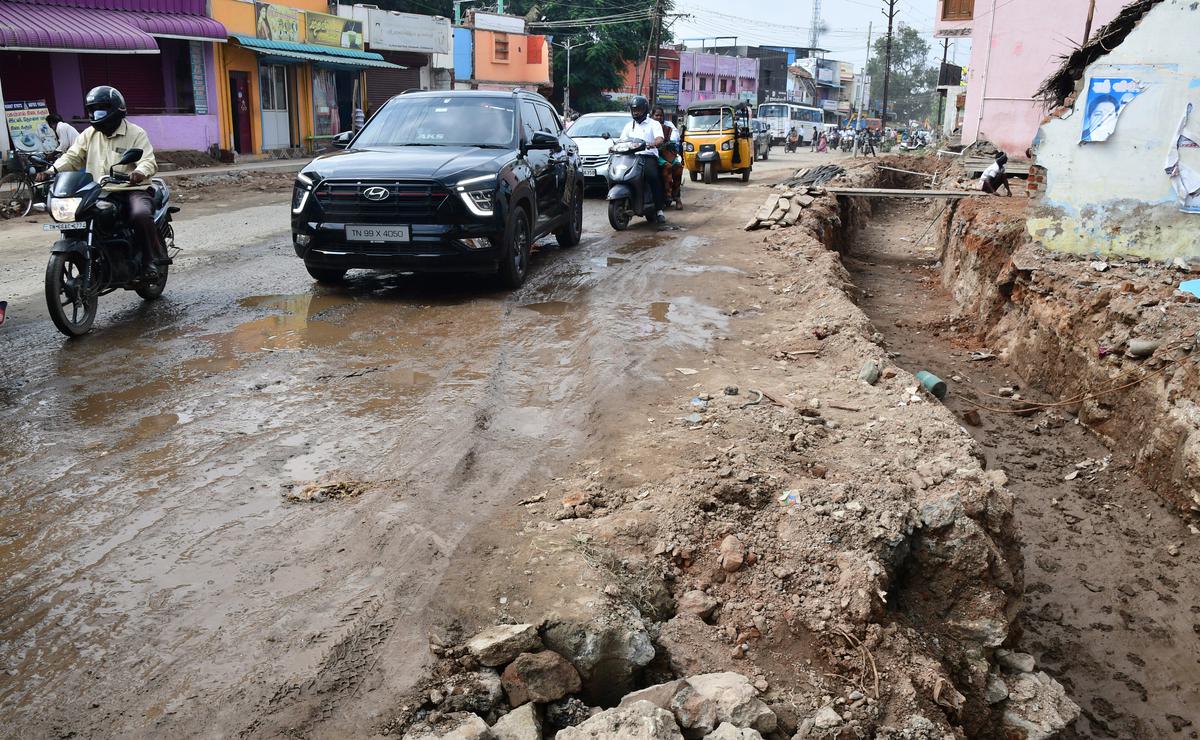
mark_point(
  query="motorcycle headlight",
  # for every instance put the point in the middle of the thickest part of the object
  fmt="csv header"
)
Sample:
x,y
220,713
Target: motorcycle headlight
x,y
63,210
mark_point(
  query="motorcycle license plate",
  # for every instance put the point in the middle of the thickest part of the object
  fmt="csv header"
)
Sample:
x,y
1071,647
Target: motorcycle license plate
x,y
589,171
73,226
370,233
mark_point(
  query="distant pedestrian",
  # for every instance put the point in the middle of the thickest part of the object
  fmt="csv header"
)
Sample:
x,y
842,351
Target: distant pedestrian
x,y
63,131
995,177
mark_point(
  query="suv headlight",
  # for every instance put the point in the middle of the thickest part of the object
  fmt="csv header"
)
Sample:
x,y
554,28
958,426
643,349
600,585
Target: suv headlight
x,y
479,194
301,189
63,210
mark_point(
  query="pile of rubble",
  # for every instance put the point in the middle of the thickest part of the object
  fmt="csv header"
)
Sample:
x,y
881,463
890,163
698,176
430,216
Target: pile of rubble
x,y
784,209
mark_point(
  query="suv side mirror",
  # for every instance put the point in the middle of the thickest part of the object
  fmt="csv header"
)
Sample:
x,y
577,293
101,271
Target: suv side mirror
x,y
342,140
545,140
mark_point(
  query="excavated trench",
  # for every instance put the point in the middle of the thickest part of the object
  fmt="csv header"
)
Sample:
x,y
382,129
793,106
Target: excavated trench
x,y
1111,604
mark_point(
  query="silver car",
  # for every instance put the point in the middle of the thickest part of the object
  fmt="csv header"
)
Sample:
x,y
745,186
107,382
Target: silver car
x,y
593,134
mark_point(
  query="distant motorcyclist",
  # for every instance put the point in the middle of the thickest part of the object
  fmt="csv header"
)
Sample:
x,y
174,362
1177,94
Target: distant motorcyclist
x,y
99,147
646,129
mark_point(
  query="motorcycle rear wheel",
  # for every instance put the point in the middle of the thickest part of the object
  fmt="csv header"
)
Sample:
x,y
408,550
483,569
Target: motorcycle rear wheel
x,y
72,311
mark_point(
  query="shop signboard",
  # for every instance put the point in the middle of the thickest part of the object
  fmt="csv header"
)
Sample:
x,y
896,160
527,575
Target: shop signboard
x,y
407,32
199,84
276,22
331,30
27,126
498,22
668,92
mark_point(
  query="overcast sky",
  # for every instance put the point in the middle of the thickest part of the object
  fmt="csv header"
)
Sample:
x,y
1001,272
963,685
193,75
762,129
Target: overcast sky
x,y
788,23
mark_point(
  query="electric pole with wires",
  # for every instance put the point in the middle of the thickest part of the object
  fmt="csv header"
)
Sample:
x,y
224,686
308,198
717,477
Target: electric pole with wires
x,y
656,40
887,60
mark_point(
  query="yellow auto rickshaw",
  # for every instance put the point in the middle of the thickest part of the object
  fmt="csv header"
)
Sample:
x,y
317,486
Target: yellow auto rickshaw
x,y
717,139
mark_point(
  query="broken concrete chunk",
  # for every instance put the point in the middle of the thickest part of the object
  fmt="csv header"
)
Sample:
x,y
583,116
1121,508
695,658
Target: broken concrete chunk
x,y
767,208
540,678
870,372
751,225
826,718
477,691
609,653
1140,348
660,695
522,723
638,721
996,690
698,603
1038,708
733,554
721,697
1014,661
452,726
500,644
728,732
805,200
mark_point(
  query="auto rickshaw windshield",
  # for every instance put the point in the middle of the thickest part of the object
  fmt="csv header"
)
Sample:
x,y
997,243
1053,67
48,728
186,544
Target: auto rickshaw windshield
x,y
706,120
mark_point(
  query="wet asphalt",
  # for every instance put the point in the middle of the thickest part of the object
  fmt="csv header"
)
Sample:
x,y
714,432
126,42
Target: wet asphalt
x,y
155,576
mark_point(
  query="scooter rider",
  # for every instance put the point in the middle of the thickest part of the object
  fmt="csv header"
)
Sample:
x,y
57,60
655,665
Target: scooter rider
x,y
650,131
99,147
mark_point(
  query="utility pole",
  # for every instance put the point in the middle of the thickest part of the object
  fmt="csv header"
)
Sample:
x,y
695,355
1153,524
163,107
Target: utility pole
x,y
814,34
864,95
656,35
568,45
942,93
887,60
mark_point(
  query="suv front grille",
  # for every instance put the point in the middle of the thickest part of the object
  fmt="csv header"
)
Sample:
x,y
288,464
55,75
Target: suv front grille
x,y
407,200
593,160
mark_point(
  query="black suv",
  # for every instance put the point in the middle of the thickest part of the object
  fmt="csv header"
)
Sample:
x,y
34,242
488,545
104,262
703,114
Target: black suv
x,y
441,181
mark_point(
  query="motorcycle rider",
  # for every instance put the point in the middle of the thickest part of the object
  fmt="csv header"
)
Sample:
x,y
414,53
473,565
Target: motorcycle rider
x,y
646,129
98,148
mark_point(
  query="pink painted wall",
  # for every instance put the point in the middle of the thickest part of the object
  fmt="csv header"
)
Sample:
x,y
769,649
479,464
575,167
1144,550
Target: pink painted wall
x,y
1012,52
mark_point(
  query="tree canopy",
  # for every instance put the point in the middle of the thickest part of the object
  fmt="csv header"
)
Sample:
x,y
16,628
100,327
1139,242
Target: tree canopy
x,y
913,80
596,65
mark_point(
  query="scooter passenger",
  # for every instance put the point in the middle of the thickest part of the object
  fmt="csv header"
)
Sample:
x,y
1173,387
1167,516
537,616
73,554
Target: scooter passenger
x,y
646,129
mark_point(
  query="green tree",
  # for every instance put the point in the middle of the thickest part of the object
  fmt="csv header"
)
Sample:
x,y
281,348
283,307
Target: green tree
x,y
913,78
595,66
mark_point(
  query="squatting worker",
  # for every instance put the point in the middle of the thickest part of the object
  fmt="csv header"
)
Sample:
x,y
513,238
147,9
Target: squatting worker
x,y
646,129
63,131
99,147
994,177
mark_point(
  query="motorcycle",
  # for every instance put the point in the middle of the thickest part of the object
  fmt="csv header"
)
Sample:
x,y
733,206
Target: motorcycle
x,y
790,144
848,142
628,195
98,252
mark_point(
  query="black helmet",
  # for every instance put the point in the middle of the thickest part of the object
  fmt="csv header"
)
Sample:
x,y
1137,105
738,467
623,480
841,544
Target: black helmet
x,y
639,107
1001,158
105,106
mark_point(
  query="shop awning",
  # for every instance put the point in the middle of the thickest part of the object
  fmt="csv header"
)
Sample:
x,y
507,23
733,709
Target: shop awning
x,y
329,56
36,27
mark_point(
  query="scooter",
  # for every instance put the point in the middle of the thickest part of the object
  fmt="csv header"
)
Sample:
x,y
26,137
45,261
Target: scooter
x,y
98,252
628,195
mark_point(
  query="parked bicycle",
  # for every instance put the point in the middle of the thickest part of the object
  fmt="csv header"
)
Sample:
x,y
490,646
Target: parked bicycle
x,y
18,191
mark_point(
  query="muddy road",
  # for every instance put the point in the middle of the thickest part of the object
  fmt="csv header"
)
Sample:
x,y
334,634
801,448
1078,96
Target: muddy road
x,y
157,581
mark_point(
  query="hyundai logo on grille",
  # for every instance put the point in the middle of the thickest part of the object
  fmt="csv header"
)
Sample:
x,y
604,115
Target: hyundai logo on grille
x,y
376,193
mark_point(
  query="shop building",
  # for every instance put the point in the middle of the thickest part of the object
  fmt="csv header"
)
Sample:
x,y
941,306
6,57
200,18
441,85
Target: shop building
x,y
159,53
291,75
421,46
705,76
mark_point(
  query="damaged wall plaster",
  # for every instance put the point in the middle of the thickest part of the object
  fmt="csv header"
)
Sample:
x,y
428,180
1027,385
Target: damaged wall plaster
x,y
1115,196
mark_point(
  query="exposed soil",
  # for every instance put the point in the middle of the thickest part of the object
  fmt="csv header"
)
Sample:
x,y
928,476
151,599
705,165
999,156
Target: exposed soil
x,y
1112,593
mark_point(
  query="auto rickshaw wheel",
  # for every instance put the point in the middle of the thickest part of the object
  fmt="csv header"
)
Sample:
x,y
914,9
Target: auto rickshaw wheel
x,y
710,173
746,175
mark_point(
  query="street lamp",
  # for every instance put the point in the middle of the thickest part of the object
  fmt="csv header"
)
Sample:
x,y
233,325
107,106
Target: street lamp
x,y
568,45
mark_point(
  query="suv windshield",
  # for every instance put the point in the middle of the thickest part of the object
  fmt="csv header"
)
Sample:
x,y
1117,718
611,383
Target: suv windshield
x,y
710,120
598,126
441,121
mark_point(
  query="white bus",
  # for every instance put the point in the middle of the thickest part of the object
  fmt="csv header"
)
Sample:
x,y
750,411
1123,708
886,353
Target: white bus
x,y
782,117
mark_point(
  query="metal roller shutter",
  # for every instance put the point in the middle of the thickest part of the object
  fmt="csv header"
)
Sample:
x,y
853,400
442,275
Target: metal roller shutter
x,y
138,77
382,84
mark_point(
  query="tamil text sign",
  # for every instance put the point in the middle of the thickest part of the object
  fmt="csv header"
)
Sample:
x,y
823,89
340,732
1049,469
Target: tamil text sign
x,y
330,30
407,32
27,126
276,22
668,92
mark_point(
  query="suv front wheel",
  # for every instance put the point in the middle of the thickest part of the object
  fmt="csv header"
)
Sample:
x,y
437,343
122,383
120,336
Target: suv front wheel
x,y
514,253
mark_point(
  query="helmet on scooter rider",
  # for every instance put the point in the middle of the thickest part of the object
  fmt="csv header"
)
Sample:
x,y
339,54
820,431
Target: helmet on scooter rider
x,y
105,106
639,107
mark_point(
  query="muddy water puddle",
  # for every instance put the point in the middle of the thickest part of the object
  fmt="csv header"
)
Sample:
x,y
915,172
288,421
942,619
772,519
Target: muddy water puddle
x,y
1108,610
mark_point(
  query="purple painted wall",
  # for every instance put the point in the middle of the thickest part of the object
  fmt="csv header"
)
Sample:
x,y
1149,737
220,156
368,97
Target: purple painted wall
x,y
740,74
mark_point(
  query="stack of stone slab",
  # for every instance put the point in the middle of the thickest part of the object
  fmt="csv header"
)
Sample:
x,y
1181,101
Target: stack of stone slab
x,y
783,209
